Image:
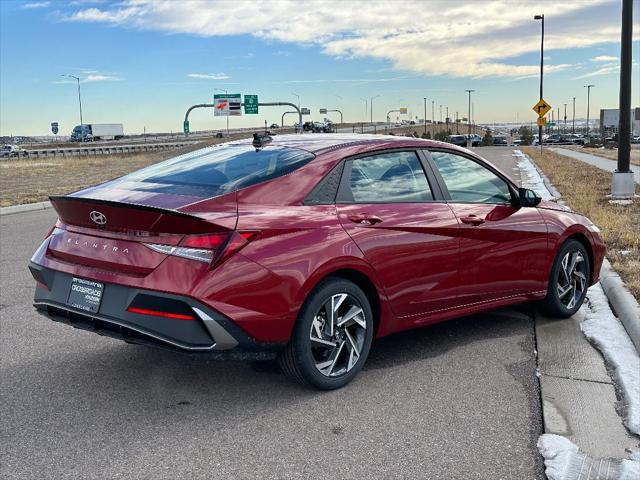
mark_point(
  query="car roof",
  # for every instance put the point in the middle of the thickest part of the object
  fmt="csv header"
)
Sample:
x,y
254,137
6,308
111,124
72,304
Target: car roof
x,y
317,142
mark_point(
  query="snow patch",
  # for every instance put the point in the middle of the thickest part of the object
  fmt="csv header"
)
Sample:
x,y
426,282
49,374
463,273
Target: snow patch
x,y
530,177
605,331
563,460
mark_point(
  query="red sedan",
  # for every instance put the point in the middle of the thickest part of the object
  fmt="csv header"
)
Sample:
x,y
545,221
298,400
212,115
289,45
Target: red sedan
x,y
307,247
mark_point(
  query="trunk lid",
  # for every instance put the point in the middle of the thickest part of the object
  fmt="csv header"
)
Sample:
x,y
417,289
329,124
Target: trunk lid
x,y
99,232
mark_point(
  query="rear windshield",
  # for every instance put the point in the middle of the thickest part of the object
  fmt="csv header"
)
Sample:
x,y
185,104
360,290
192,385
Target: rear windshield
x,y
215,171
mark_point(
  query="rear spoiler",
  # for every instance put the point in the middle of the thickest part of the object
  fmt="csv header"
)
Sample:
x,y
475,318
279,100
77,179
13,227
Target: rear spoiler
x,y
121,217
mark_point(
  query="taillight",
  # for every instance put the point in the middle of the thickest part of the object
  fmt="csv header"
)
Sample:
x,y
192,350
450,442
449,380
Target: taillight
x,y
210,248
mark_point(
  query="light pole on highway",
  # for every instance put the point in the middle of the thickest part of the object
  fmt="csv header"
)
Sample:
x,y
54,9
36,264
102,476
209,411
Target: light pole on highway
x,y
469,114
573,120
371,107
565,118
79,97
227,93
425,116
588,87
433,116
541,17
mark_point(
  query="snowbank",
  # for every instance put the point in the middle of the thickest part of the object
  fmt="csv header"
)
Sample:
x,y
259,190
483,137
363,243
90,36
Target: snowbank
x,y
605,331
564,461
530,177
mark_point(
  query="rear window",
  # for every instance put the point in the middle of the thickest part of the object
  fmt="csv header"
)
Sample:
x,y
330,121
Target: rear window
x,y
216,171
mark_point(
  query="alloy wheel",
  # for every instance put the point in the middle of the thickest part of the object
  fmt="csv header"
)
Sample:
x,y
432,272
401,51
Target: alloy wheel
x,y
572,279
337,335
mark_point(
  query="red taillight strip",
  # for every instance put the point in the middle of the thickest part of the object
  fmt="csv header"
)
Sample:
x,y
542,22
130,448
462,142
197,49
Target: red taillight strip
x,y
157,313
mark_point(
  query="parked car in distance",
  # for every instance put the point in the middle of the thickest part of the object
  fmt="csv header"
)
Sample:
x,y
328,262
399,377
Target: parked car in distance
x,y
459,140
307,247
476,140
499,140
635,139
274,126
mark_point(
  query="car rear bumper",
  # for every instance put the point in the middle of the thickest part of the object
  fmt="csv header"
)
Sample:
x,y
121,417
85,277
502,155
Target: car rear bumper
x,y
207,332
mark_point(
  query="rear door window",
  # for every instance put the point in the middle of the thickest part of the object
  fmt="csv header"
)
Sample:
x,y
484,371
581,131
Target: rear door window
x,y
215,171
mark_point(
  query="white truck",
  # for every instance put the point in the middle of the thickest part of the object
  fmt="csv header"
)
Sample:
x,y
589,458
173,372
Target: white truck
x,y
97,131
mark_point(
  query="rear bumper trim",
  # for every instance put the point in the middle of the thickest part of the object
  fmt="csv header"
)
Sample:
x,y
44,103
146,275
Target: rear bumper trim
x,y
65,314
223,339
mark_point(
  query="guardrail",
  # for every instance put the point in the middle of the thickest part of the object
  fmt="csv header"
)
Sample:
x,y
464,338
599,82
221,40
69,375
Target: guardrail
x,y
94,150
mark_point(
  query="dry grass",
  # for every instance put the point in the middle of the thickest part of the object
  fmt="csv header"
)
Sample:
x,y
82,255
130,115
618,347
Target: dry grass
x,y
585,188
29,181
611,154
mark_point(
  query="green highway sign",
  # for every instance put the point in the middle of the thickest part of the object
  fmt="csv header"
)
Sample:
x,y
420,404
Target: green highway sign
x,y
185,126
551,124
250,104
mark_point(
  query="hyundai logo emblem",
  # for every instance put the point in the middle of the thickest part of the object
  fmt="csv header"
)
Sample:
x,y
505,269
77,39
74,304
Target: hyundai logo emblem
x,y
98,218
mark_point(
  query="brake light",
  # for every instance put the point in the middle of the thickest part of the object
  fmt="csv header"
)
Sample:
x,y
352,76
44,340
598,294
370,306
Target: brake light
x,y
209,241
236,243
158,313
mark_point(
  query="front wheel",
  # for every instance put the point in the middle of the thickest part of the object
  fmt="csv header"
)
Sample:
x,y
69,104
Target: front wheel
x,y
332,337
568,281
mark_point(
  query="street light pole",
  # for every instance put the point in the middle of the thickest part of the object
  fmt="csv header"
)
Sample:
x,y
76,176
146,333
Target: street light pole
x,y
227,93
446,119
588,87
469,113
573,121
565,118
425,116
623,186
433,116
371,108
541,17
79,96
366,107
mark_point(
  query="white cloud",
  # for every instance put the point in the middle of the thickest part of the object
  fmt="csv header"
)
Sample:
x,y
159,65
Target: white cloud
x,y
34,5
209,76
90,76
604,58
94,77
439,37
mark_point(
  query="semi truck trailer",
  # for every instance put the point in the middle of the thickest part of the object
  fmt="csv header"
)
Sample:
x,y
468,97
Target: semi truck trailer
x,y
97,131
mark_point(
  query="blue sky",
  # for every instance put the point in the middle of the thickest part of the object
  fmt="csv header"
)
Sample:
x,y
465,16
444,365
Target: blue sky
x,y
143,62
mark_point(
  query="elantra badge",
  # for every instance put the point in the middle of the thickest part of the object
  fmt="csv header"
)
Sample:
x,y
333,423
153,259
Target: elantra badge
x,y
98,218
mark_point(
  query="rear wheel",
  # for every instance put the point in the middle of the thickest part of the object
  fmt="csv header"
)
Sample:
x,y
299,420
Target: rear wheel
x,y
332,337
568,281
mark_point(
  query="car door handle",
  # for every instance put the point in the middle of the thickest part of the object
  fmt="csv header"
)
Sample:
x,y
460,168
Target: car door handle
x,y
472,220
365,219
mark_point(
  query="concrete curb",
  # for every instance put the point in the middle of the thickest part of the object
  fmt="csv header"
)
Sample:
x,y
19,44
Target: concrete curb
x,y
25,207
622,302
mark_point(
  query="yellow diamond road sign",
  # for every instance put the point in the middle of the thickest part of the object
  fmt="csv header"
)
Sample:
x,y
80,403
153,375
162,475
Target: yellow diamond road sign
x,y
541,121
541,108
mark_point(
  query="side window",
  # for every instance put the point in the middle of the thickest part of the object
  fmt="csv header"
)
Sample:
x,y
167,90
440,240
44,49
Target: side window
x,y
386,178
470,182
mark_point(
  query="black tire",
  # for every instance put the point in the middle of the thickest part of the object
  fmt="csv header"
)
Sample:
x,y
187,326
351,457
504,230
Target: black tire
x,y
299,360
555,306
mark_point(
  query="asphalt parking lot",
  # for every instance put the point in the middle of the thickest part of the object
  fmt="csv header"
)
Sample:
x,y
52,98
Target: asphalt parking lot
x,y
459,400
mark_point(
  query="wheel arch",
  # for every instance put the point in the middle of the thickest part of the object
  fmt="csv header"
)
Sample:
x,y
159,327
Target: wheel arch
x,y
584,240
360,274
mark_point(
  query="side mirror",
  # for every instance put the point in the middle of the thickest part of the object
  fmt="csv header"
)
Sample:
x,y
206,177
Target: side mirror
x,y
528,198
